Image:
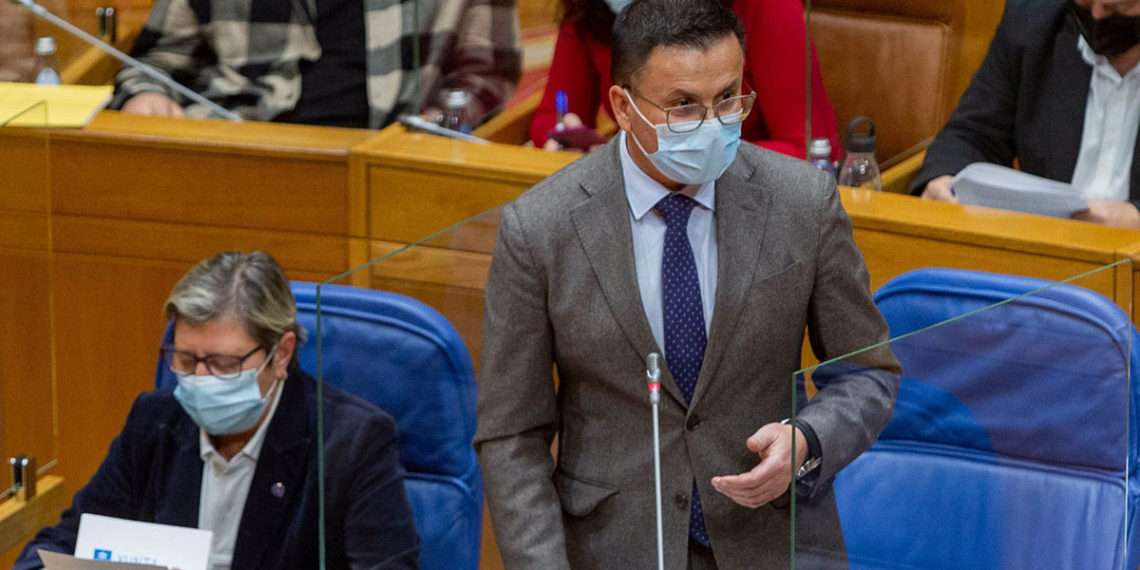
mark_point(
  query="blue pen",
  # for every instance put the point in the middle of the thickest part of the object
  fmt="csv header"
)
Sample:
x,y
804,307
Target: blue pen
x,y
561,107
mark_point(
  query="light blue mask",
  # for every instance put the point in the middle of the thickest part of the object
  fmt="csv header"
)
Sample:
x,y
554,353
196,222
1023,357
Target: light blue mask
x,y
618,5
695,157
226,406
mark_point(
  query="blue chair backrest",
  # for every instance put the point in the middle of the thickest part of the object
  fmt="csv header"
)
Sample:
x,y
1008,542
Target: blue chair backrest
x,y
1013,442
406,358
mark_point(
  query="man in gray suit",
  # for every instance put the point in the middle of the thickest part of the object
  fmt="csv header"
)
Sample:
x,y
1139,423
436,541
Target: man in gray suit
x,y
675,239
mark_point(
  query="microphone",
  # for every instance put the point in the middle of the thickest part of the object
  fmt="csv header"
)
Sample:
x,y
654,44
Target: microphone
x,y
416,122
127,60
653,380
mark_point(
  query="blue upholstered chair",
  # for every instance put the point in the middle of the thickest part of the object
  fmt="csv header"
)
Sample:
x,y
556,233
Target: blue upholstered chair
x,y
407,359
1014,440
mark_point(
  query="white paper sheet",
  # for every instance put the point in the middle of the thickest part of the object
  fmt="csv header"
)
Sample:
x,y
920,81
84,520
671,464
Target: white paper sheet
x,y
57,561
995,186
120,540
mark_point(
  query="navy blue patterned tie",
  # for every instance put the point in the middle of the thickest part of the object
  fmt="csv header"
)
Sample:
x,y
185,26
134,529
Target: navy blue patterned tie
x,y
685,337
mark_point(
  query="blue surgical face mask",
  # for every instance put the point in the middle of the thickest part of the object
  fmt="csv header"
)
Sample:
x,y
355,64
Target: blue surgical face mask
x,y
694,157
224,406
618,5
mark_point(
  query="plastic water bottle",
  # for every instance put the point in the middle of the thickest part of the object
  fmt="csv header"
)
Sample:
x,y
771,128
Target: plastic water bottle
x,y
455,111
819,154
46,62
860,169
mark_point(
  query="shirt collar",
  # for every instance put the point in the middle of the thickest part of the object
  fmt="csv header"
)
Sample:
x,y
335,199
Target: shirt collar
x,y
643,192
1100,64
252,449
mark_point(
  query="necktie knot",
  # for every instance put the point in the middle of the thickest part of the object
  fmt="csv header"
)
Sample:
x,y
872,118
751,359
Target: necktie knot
x,y
675,209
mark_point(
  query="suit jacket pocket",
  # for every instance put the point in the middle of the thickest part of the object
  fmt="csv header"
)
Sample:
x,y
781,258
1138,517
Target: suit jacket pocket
x,y
580,497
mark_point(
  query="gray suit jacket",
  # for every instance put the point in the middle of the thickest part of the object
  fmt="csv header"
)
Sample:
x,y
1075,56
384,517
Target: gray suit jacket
x,y
563,294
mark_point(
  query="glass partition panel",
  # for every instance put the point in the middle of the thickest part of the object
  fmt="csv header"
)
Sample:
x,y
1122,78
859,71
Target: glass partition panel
x,y
28,431
1010,444
402,331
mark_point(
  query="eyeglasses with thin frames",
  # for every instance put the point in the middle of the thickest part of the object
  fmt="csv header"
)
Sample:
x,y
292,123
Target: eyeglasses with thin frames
x,y
224,366
688,118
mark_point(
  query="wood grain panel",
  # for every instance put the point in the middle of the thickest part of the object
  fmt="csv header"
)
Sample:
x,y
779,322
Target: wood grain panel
x,y
419,184
23,170
888,255
168,185
27,414
24,230
320,254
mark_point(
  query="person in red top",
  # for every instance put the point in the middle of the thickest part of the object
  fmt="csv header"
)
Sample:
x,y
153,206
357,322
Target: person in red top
x,y
774,66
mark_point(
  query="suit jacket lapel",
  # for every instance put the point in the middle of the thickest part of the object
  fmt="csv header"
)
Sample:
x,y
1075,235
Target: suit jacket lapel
x,y
1071,80
181,497
741,223
603,228
281,464
1134,192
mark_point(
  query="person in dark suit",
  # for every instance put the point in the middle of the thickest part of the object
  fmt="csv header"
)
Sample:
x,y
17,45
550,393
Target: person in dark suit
x,y
233,448
1059,92
678,239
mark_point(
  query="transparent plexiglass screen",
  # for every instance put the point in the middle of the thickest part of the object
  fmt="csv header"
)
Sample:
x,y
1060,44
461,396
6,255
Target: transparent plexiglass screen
x,y
993,430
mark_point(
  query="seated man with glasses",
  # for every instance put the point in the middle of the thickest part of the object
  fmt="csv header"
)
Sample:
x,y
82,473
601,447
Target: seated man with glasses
x,y
233,448
681,240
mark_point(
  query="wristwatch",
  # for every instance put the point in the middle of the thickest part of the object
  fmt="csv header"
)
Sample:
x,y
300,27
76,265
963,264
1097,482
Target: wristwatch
x,y
813,460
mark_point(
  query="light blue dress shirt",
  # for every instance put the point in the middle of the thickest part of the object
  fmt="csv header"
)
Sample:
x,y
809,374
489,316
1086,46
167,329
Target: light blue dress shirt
x,y
643,193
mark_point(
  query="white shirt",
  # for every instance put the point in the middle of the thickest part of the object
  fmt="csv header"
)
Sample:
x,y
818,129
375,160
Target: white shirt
x,y
225,487
643,193
1112,118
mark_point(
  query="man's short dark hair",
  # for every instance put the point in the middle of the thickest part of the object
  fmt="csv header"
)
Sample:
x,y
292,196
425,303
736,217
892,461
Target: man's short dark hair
x,y
647,24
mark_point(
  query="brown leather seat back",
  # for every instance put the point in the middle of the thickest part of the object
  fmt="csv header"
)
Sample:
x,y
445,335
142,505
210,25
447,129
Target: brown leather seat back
x,y
893,60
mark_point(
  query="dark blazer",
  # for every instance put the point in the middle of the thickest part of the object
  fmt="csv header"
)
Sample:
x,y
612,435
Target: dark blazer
x,y
562,292
1027,101
153,473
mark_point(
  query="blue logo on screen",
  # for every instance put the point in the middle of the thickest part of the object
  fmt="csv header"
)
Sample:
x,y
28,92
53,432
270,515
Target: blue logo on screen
x,y
102,554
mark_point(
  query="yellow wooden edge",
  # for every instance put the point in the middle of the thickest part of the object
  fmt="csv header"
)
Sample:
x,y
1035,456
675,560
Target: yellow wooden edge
x,y
897,179
19,520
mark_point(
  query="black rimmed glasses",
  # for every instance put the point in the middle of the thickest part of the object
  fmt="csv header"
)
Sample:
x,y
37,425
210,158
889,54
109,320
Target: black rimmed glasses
x,y
224,366
688,118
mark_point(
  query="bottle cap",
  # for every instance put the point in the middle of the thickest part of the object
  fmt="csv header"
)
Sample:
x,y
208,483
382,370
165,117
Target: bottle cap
x,y
45,45
820,147
456,99
857,141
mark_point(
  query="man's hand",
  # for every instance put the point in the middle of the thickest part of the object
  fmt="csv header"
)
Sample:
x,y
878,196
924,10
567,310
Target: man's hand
x,y
939,190
155,104
1115,213
771,478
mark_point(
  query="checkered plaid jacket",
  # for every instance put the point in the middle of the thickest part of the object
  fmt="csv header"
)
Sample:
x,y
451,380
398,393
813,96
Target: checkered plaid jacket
x,y
245,54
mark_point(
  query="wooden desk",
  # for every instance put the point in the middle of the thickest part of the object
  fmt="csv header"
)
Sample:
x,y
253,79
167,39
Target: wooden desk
x,y
96,226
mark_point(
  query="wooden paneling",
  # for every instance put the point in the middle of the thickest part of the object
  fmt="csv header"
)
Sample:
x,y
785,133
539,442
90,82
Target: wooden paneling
x,y
106,179
890,254
23,170
419,184
27,395
323,255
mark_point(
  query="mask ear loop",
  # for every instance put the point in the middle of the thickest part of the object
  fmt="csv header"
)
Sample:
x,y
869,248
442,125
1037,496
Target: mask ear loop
x,y
643,118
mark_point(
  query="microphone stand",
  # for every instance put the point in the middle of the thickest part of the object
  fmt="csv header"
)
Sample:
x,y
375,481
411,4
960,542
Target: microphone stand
x,y
127,60
653,375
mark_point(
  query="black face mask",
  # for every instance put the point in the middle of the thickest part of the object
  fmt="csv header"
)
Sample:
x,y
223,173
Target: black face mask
x,y
1109,37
